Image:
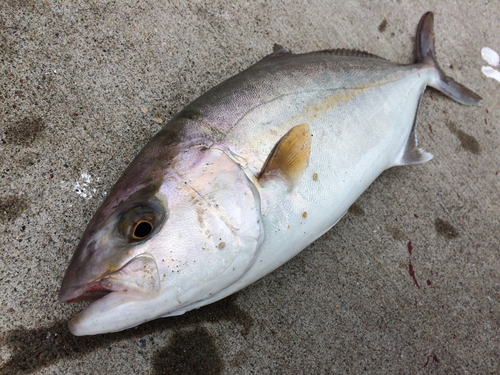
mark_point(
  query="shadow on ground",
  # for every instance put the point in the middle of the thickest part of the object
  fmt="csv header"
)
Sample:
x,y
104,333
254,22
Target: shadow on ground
x,y
34,349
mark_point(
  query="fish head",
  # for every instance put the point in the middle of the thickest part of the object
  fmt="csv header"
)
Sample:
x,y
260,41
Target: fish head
x,y
111,244
162,246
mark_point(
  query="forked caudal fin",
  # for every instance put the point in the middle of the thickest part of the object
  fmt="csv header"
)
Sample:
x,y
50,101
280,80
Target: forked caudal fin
x,y
412,154
426,55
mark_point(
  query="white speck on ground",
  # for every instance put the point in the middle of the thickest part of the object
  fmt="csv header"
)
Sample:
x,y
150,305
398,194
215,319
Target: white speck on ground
x,y
82,187
490,56
489,72
86,177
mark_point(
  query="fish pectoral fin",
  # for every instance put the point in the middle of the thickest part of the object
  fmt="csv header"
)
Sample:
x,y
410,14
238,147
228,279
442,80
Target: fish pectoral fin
x,y
411,153
289,157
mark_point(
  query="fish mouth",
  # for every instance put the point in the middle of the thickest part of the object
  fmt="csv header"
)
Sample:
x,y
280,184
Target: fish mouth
x,y
92,293
137,278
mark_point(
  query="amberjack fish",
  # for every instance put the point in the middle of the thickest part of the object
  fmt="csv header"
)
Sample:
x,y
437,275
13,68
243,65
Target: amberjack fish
x,y
245,177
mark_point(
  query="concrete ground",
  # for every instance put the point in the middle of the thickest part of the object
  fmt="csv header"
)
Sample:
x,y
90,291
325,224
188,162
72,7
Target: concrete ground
x,y
84,85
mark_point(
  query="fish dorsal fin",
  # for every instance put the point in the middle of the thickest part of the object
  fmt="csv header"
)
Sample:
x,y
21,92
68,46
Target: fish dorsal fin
x,y
412,154
349,53
279,51
289,157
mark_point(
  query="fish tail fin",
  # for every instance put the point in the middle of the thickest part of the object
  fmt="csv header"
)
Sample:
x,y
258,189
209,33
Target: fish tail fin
x,y
426,55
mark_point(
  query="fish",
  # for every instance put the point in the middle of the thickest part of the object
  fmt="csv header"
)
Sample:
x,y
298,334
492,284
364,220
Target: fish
x,y
245,177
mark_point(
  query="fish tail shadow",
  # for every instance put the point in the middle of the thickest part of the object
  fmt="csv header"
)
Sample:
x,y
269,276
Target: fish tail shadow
x,y
426,55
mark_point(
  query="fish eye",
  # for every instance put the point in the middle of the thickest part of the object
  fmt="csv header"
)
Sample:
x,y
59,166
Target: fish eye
x,y
139,222
142,229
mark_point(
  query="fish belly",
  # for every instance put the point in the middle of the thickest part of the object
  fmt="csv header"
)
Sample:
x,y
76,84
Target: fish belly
x,y
356,135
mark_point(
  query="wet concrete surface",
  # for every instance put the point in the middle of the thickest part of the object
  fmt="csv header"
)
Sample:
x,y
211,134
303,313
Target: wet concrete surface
x,y
407,282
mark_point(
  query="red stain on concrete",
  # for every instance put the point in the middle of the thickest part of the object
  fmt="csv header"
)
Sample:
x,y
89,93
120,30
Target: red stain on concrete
x,y
426,363
412,274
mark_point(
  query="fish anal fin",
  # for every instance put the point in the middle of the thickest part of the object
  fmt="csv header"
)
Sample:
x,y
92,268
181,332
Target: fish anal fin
x,y
289,157
412,154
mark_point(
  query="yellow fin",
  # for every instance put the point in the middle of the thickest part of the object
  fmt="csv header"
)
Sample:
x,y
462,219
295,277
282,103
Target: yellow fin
x,y
290,157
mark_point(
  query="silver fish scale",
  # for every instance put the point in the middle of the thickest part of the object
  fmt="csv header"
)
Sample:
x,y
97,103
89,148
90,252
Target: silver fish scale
x,y
307,77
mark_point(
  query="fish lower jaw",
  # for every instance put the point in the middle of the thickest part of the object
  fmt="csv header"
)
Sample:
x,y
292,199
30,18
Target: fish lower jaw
x,y
100,316
116,312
